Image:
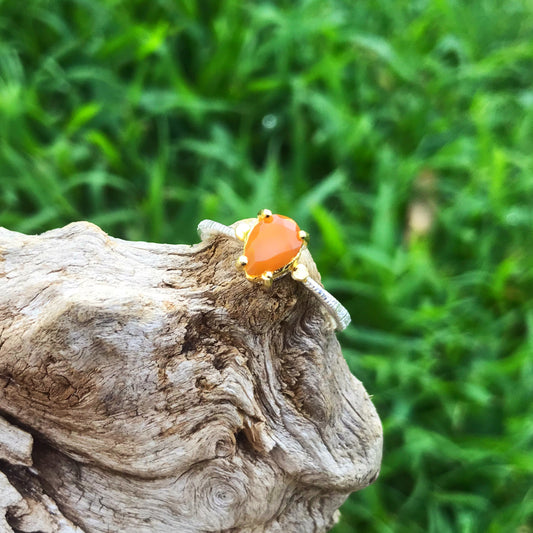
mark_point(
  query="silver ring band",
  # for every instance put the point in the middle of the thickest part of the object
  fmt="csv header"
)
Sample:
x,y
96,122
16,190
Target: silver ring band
x,y
208,228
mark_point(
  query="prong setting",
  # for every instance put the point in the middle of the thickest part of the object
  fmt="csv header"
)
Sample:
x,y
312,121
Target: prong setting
x,y
264,214
300,272
242,230
304,236
267,278
242,262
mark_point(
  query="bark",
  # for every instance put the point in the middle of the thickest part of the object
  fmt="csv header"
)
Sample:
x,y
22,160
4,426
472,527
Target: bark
x,y
152,388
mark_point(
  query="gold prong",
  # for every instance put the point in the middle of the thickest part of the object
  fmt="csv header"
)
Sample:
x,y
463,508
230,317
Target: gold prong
x,y
264,213
304,236
242,230
242,262
300,273
267,278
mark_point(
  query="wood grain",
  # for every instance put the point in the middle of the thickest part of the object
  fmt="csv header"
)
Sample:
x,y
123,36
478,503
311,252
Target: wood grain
x,y
164,392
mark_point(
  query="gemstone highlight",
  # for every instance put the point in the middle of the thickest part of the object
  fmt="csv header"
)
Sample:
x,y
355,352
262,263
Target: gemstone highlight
x,y
272,244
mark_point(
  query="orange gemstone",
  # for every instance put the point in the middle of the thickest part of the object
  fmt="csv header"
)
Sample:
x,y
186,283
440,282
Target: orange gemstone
x,y
273,243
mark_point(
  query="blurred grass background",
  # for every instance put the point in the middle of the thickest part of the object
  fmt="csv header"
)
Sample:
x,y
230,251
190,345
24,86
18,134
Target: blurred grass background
x,y
399,133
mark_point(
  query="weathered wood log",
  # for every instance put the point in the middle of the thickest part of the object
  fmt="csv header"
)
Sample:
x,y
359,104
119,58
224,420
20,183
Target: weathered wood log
x,y
158,390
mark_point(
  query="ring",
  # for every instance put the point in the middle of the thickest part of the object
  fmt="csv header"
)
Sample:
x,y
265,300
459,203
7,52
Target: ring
x,y
272,247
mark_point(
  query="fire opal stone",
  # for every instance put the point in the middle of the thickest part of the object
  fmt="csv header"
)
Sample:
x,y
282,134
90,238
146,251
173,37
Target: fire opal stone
x,y
272,243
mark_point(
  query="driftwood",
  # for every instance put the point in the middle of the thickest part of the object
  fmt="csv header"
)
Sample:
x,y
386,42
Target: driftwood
x,y
151,388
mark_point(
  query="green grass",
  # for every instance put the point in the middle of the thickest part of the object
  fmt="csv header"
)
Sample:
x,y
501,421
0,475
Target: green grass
x,y
145,117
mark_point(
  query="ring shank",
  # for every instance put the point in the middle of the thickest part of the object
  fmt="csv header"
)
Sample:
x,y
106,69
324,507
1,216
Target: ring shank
x,y
335,308
208,228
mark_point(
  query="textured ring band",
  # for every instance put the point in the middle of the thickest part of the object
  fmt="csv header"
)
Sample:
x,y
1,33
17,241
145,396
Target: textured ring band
x,y
272,247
